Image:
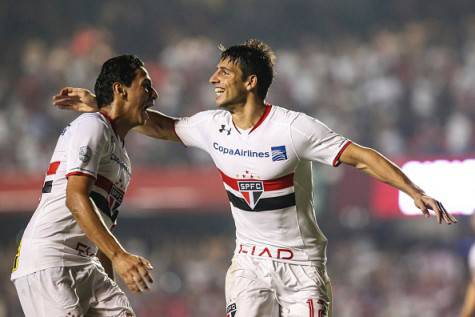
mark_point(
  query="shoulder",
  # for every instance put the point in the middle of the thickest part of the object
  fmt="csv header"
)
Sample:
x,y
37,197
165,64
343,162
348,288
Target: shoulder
x,y
295,119
90,124
204,117
91,120
284,115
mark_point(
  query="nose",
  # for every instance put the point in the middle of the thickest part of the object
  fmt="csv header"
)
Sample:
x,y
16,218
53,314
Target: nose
x,y
214,78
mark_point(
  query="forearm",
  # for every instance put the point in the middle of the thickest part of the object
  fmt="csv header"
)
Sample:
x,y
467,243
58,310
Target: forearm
x,y
378,166
92,225
468,307
158,126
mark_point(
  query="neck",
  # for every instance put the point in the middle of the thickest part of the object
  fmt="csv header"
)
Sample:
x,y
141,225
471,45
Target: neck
x,y
120,124
246,115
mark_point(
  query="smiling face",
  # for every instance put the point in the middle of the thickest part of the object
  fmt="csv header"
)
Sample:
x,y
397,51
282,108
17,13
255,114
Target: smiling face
x,y
140,96
229,86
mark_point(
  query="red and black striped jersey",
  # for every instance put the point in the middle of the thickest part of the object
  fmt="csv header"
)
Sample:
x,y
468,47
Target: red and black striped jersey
x,y
267,175
87,146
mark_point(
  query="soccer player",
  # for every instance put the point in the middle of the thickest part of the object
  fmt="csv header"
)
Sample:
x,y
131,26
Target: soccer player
x,y
56,271
264,154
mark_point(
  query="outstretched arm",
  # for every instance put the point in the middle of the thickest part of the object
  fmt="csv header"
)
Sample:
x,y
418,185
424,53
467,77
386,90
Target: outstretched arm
x,y
376,165
157,126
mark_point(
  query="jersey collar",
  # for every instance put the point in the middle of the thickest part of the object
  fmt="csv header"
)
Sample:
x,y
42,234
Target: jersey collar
x,y
267,109
109,119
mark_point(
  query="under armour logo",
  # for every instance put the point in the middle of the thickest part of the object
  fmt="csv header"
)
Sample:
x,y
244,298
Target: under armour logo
x,y
223,128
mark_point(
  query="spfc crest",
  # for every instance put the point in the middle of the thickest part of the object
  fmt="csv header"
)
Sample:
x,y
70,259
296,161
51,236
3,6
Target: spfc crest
x,y
251,191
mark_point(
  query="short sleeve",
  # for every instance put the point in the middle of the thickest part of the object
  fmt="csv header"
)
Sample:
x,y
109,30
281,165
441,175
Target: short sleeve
x,y
314,141
86,146
192,131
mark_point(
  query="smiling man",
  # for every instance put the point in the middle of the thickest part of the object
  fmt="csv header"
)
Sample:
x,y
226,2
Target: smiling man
x,y
264,154
57,271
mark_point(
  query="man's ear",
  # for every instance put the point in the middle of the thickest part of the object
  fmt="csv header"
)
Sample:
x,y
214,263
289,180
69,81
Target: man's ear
x,y
119,90
251,82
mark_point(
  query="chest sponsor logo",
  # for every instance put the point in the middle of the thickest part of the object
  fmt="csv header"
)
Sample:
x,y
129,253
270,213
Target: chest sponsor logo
x,y
279,153
251,191
121,163
239,152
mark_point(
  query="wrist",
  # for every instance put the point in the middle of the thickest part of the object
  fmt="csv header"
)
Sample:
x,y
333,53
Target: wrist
x,y
416,193
117,254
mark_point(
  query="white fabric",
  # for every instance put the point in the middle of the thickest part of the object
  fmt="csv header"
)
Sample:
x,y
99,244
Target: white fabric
x,y
77,291
284,144
52,238
261,287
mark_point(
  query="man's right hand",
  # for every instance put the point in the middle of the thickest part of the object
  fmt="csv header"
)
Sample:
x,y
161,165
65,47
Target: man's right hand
x,y
134,270
76,99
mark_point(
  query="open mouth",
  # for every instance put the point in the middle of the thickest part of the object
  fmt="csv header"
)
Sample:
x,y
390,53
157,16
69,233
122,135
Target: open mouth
x,y
218,91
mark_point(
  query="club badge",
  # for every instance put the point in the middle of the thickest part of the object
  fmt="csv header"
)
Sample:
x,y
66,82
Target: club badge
x,y
85,154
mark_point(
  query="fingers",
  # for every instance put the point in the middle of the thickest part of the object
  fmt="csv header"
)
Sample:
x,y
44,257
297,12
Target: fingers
x,y
422,206
138,277
449,219
440,212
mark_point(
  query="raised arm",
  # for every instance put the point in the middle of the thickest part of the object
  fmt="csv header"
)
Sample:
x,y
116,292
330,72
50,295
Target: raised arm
x,y
376,165
157,126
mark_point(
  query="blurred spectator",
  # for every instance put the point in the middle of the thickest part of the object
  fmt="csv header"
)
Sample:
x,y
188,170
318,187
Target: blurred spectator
x,y
395,75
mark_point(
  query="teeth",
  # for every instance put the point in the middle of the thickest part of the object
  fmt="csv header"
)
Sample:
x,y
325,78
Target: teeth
x,y
218,91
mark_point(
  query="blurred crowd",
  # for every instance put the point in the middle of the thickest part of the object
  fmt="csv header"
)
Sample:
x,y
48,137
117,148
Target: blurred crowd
x,y
404,92
369,277
377,72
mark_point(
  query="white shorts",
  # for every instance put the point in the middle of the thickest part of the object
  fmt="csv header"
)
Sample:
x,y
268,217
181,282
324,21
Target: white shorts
x,y
75,291
257,287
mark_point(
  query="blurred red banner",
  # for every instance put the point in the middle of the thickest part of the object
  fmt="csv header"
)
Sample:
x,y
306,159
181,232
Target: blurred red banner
x,y
150,190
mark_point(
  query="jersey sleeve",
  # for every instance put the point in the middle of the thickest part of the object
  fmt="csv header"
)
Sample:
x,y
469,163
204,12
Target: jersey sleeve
x,y
87,145
192,131
314,141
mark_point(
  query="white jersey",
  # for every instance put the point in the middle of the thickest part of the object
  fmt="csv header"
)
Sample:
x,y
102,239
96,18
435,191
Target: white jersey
x,y
53,238
267,175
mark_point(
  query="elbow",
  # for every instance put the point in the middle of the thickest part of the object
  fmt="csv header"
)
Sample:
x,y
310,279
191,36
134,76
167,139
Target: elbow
x,y
69,203
72,203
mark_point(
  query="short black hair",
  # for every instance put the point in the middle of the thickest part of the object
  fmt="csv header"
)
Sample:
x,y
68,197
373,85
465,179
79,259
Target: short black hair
x,y
254,58
120,69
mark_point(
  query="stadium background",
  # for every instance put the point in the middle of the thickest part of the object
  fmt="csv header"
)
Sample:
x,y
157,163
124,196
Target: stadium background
x,y
395,75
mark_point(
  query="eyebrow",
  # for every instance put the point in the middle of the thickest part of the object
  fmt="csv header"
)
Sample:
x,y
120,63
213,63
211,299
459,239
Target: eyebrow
x,y
225,68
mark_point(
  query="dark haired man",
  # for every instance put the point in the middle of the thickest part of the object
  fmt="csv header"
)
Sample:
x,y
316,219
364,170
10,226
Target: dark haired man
x,y
56,271
264,154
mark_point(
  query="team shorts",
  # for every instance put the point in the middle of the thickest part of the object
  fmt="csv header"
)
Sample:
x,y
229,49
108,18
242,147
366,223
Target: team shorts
x,y
77,291
257,287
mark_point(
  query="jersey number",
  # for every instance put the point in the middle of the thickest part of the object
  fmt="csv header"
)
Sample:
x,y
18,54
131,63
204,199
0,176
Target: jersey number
x,y
322,311
17,255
